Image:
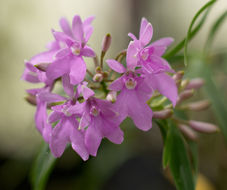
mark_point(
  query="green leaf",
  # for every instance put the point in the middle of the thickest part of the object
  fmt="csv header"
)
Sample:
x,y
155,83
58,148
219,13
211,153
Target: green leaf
x,y
194,157
214,30
178,159
169,54
42,168
205,7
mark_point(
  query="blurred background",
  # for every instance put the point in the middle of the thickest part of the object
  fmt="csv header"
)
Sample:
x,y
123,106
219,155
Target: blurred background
x,y
25,29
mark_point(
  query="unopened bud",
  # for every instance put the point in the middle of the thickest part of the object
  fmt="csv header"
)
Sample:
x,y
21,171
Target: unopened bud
x,y
197,106
98,77
98,70
184,83
203,127
185,95
178,76
105,74
31,99
163,114
195,83
42,66
188,132
112,96
106,43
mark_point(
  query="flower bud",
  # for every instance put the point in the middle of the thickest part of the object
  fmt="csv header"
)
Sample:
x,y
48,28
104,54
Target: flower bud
x,y
106,43
195,83
111,96
98,70
185,95
98,77
197,106
203,127
184,83
188,132
178,76
42,66
105,74
163,114
31,99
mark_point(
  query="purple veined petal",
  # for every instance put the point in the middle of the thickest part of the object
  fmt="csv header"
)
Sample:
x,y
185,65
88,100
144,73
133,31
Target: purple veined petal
x,y
60,137
87,33
165,85
132,36
50,97
116,66
31,67
47,131
117,85
85,120
159,64
68,87
77,139
86,92
55,116
57,108
88,52
130,105
93,139
62,53
44,57
143,25
30,77
131,57
164,42
41,116
77,28
58,68
146,33
77,108
64,24
88,21
33,91
77,70
110,129
62,37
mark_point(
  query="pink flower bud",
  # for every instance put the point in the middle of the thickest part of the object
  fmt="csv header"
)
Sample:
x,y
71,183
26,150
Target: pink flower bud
x,y
185,95
188,132
163,114
203,127
195,83
197,106
178,76
106,43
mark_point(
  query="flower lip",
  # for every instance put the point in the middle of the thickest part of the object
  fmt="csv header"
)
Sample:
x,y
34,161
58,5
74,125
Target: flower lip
x,y
76,49
94,111
130,83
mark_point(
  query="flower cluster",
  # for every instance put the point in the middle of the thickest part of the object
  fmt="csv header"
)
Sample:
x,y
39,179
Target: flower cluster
x,y
93,107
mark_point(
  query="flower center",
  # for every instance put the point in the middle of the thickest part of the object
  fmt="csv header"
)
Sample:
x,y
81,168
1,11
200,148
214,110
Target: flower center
x,y
130,83
94,111
76,50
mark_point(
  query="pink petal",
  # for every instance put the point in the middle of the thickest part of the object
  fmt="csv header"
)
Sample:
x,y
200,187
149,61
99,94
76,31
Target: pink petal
x,y
87,92
146,32
88,52
68,87
41,116
77,28
58,68
165,85
132,36
62,53
54,116
131,57
116,66
77,70
164,42
93,139
117,85
47,131
44,57
50,97
62,37
64,24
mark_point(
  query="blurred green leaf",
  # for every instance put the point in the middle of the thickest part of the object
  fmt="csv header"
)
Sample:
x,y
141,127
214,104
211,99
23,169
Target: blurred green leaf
x,y
214,30
178,159
169,54
42,168
194,157
204,8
